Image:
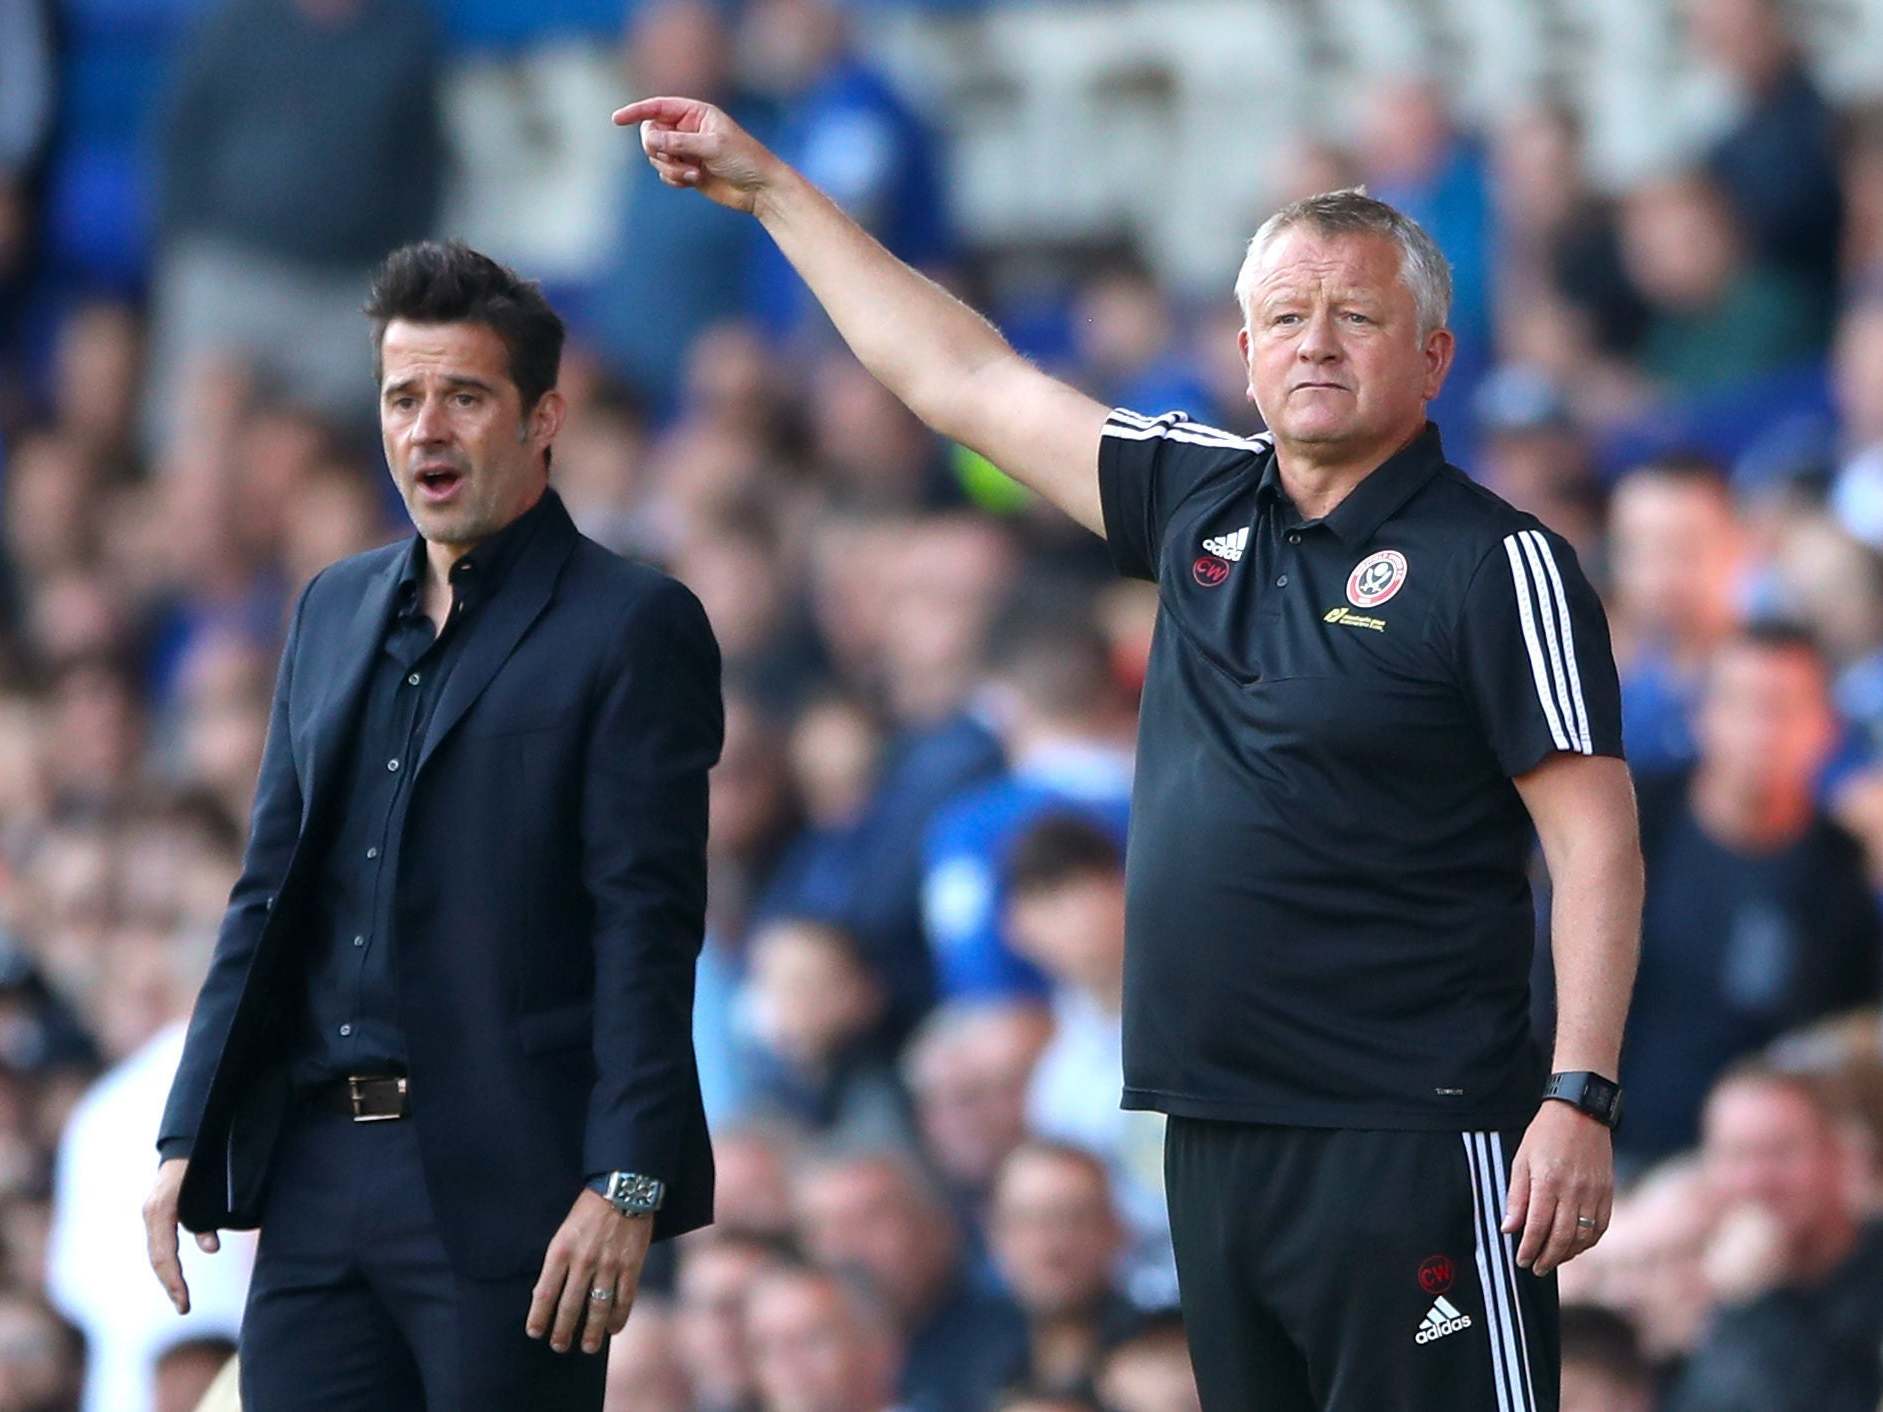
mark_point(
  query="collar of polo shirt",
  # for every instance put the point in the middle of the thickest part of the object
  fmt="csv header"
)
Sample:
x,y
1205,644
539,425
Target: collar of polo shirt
x,y
1370,503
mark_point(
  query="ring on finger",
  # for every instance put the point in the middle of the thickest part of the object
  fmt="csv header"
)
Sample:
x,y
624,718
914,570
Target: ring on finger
x,y
1585,1223
601,1294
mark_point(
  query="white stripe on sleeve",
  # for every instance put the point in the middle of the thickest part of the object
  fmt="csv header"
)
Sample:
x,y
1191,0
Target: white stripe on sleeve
x,y
1546,611
1520,582
1569,640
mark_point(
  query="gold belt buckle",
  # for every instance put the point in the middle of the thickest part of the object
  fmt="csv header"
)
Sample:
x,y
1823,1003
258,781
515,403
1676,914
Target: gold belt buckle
x,y
356,1092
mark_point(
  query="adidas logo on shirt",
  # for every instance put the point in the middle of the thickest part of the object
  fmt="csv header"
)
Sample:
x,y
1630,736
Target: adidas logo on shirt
x,y
1227,546
1441,1319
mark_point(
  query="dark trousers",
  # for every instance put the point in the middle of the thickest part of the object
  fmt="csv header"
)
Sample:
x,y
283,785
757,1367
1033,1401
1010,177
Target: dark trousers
x,y
1333,1270
354,1306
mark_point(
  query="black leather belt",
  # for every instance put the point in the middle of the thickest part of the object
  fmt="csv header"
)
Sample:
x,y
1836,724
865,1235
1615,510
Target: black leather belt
x,y
365,1098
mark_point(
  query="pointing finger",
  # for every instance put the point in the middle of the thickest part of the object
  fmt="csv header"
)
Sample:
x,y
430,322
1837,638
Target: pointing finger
x,y
666,110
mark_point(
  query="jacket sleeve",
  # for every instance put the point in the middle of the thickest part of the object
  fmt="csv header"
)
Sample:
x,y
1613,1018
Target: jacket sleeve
x,y
657,731
274,828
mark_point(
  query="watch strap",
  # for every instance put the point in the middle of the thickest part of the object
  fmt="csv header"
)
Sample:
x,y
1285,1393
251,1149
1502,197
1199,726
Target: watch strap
x,y
1587,1092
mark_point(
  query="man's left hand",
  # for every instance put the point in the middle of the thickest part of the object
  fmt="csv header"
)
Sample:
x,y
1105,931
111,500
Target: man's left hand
x,y
1564,1169
597,1248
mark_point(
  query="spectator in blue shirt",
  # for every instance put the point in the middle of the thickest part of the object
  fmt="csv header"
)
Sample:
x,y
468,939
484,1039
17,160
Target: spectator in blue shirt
x,y
1067,737
847,129
678,267
1675,555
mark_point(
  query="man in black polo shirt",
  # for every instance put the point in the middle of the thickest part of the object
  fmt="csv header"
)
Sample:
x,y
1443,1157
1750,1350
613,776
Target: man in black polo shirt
x,y
1370,679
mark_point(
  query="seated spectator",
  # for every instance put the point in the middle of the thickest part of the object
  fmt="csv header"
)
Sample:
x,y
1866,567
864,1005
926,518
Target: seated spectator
x,y
1125,337
1066,733
1676,555
814,1008
716,1270
847,129
878,1212
186,1370
1066,886
924,628
1148,1370
1603,1368
752,1179
1649,1266
674,268
1758,915
97,1266
1778,162
268,237
1798,1266
967,1068
645,1373
1057,1240
1716,315
42,1358
1531,452
822,1341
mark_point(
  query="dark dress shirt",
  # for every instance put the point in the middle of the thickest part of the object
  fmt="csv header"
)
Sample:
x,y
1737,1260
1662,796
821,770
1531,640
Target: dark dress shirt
x,y
350,1010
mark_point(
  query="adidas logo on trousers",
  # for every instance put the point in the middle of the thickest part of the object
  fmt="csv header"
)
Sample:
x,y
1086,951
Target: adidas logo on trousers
x,y
1441,1319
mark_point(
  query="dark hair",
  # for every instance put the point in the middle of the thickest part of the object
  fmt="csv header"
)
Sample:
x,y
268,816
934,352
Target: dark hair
x,y
1058,849
1047,645
1694,468
1778,635
1602,1339
449,283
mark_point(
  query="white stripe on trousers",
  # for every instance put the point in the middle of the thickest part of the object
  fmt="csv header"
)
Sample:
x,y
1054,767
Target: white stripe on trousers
x,y
1510,1369
1509,1246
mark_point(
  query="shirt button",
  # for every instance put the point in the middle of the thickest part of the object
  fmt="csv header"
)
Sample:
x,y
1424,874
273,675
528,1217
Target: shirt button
x,y
1294,539
359,941
392,766
412,680
372,852
1282,582
345,1030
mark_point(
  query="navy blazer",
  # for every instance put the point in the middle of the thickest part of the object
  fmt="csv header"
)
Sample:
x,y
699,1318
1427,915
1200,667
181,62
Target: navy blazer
x,y
550,900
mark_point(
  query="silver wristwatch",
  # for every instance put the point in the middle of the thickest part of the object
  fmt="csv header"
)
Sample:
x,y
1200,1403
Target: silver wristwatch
x,y
632,1194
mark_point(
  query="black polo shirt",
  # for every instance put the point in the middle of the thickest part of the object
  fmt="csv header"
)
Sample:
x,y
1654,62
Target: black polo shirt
x,y
349,1014
1329,922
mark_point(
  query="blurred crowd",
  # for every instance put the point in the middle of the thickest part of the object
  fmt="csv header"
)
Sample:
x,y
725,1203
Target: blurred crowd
x,y
908,1001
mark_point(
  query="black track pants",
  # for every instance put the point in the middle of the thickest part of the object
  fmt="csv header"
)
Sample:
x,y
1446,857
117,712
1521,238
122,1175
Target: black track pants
x,y
1335,1270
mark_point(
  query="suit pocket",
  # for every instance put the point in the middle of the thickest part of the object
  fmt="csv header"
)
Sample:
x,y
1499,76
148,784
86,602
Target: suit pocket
x,y
565,1027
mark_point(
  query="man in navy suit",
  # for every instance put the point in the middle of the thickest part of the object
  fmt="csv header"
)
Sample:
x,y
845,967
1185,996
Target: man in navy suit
x,y
443,1055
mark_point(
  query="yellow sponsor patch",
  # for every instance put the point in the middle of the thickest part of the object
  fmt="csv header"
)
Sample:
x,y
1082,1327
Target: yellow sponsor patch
x,y
1347,618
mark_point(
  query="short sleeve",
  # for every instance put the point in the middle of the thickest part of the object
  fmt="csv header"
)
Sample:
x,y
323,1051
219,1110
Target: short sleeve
x,y
1146,466
1532,649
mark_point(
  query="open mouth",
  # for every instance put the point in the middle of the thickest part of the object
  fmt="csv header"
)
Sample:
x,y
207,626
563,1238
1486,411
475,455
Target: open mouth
x,y
439,483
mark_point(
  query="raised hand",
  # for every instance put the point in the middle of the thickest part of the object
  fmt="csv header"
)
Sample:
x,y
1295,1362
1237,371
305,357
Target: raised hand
x,y
694,144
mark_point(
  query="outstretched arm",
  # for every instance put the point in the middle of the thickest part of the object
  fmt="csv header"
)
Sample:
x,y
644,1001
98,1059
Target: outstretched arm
x,y
947,363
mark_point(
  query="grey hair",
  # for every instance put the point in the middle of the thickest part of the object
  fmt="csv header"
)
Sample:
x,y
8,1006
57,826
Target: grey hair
x,y
1423,268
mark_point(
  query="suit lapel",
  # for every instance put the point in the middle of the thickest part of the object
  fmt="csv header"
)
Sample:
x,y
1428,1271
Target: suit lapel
x,y
517,603
339,709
